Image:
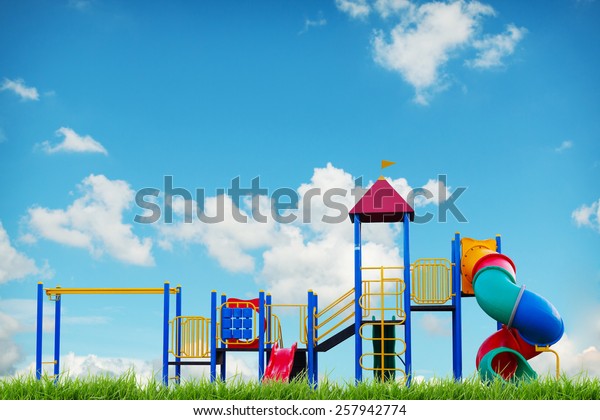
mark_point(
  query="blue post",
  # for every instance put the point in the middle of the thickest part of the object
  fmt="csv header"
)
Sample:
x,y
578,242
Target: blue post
x,y
261,334
57,311
499,251
407,321
310,344
166,311
357,297
213,336
269,326
39,330
457,312
223,346
316,354
178,298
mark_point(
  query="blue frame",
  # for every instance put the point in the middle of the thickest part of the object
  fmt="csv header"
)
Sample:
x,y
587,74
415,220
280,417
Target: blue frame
x,y
407,321
357,296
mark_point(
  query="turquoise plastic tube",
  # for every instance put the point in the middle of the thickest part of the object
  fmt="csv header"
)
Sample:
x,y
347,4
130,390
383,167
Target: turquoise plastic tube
x,y
496,292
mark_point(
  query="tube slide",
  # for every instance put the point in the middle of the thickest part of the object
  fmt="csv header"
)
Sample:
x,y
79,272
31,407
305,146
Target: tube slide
x,y
528,318
280,364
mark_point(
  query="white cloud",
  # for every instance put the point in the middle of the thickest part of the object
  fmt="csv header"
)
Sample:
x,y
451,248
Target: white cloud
x,y
436,325
572,361
73,143
227,241
76,366
386,8
313,23
24,312
357,9
94,222
493,48
565,145
11,354
19,88
588,216
289,258
14,264
424,40
427,35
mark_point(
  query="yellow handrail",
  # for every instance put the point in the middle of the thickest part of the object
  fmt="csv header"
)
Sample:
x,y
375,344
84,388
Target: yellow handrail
x,y
431,281
194,341
549,350
378,288
54,291
276,335
337,313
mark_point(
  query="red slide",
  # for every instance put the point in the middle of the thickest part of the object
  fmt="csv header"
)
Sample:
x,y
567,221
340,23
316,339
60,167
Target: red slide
x,y
280,363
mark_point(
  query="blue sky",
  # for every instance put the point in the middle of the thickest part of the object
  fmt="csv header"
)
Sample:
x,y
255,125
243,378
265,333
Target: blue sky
x,y
100,99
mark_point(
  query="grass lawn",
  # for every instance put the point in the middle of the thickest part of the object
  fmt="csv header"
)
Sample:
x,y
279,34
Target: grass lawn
x,y
127,388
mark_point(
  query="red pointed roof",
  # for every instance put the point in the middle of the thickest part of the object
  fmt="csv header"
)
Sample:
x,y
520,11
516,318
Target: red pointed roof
x,y
381,203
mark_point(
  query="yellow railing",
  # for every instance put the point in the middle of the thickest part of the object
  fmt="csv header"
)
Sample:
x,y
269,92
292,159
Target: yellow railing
x,y
334,315
194,341
549,350
431,281
276,333
382,297
383,354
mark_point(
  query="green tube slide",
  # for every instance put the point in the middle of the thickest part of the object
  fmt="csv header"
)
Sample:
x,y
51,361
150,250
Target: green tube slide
x,y
496,293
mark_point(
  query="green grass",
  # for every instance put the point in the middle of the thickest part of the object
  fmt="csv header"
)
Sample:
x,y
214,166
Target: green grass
x,y
126,388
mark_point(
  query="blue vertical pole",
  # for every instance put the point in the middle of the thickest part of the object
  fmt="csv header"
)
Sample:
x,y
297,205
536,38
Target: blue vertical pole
x,y
39,330
457,311
223,346
407,321
269,326
357,297
57,311
261,334
316,354
213,336
166,312
499,251
310,344
178,299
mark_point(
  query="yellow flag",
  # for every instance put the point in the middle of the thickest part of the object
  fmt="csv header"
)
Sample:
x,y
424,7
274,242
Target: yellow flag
x,y
386,163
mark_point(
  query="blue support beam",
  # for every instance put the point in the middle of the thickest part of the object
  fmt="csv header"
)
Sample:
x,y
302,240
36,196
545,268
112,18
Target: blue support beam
x,y
39,330
407,322
316,354
178,299
213,336
165,349
499,251
261,334
310,346
223,346
357,295
57,313
269,302
457,312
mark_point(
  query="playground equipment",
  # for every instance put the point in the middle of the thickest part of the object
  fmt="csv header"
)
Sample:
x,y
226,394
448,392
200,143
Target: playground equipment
x,y
377,310
529,323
